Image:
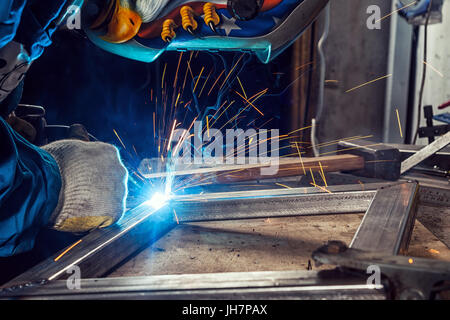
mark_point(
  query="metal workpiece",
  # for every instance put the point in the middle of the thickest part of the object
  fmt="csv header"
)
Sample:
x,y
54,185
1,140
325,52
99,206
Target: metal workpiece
x,y
268,207
386,227
408,278
388,223
274,203
143,225
304,285
102,249
425,152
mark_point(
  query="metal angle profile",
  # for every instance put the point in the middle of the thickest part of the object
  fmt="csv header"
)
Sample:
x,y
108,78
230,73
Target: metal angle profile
x,y
235,285
274,203
102,249
388,223
426,152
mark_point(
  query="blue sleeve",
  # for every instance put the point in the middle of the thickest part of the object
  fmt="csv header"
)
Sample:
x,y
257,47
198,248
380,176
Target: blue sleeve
x,y
29,22
29,188
10,13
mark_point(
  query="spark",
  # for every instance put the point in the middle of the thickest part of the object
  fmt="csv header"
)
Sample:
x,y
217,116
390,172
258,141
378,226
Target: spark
x,y
199,76
434,251
206,81
399,123
250,103
305,65
332,142
258,94
242,87
282,185
119,139
138,176
154,125
178,68
176,217
215,82
323,175
399,9
300,156
362,184
163,75
410,261
171,135
67,250
369,82
207,125
321,188
231,103
178,97
346,149
312,176
231,71
301,129
433,68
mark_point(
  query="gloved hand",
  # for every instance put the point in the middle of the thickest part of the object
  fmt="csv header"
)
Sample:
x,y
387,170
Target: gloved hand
x,y
93,188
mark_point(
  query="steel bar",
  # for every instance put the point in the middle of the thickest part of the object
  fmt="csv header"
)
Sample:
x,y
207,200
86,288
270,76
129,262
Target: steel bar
x,y
268,207
426,152
290,202
102,249
388,223
235,285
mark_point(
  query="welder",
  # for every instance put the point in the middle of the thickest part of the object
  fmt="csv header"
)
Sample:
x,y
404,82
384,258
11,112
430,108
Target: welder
x,y
76,186
68,185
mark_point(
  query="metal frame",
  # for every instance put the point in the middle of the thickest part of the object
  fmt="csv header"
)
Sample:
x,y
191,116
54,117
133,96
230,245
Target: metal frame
x,y
387,227
236,285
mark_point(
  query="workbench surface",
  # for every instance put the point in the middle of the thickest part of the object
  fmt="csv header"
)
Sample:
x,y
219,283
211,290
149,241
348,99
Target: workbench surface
x,y
269,244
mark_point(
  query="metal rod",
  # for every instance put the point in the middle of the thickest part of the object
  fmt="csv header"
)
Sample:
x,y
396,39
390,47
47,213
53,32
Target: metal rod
x,y
102,249
235,285
388,223
426,152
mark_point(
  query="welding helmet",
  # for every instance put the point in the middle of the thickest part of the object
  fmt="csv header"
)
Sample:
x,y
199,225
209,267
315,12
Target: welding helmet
x,y
143,29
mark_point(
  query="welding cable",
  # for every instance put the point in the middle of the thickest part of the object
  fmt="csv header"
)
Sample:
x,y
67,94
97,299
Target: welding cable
x,y
320,104
168,33
188,21
424,72
211,17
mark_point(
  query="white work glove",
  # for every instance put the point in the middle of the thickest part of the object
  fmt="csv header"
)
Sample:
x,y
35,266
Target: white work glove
x,y
93,187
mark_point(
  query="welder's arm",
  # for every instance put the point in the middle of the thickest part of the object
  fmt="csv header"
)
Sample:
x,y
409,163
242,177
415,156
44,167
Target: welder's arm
x,y
29,187
68,185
